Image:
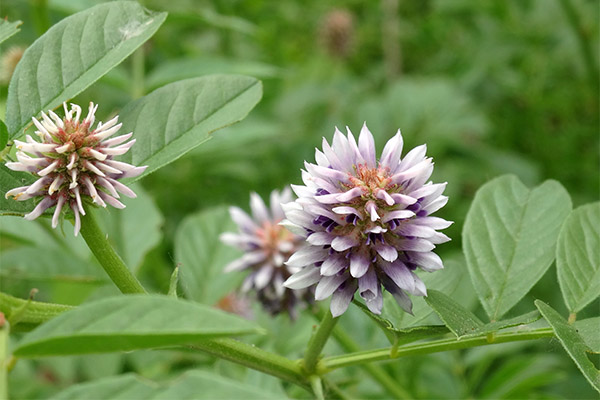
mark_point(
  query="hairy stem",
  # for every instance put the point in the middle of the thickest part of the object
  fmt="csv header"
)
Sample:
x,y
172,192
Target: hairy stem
x,y
435,346
32,313
114,266
317,342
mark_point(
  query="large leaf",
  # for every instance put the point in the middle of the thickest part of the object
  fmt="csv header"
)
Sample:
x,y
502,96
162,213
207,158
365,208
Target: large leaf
x,y
7,29
127,323
509,239
73,54
10,180
174,119
3,136
578,257
48,264
197,385
572,343
203,256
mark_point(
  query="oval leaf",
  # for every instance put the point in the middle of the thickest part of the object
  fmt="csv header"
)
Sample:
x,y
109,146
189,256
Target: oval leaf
x,y
130,322
578,257
174,119
199,385
509,239
572,343
73,54
202,255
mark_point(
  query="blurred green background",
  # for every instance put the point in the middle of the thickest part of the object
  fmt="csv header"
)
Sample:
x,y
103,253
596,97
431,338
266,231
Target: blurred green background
x,y
492,87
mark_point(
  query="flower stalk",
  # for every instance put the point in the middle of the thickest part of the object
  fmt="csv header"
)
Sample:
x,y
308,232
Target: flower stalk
x,y
114,266
317,342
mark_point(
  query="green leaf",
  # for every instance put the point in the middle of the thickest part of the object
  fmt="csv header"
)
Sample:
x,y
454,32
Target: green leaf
x,y
588,330
123,227
48,264
459,320
174,119
572,343
73,54
185,68
509,239
3,136
202,255
198,385
463,323
9,180
578,257
130,322
7,29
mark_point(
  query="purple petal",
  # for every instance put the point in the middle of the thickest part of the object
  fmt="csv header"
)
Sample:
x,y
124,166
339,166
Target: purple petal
x,y
397,214
342,297
428,261
333,264
383,195
386,251
306,255
376,304
367,285
320,238
42,206
366,146
303,278
259,210
246,261
390,157
359,264
399,274
262,277
327,285
242,220
341,243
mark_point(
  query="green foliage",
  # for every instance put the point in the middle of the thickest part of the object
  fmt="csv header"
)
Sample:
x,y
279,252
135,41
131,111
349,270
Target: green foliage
x,y
190,111
72,55
10,180
199,385
572,343
202,256
578,257
127,323
509,239
7,29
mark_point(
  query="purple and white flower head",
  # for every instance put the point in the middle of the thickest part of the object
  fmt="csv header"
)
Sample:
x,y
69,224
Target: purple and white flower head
x,y
266,245
73,162
367,223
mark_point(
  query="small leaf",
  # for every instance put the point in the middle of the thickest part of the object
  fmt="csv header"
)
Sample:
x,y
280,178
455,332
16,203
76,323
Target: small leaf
x,y
202,255
572,343
9,180
72,55
509,239
458,319
130,322
174,119
588,330
199,385
3,136
7,29
578,257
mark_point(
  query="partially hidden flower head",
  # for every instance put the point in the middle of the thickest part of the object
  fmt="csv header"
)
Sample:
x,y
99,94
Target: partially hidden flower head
x,y
266,246
367,223
74,164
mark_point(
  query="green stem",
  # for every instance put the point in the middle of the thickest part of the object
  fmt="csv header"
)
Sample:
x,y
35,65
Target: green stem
x,y
317,342
111,262
317,386
255,358
435,346
376,372
32,313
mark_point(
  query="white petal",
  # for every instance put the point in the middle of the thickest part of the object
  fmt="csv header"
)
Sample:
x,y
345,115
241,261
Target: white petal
x,y
303,278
